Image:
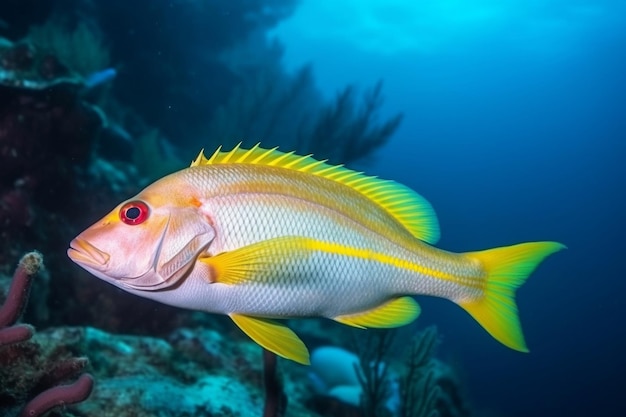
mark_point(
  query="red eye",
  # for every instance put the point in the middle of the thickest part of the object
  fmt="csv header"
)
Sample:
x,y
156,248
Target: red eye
x,y
134,212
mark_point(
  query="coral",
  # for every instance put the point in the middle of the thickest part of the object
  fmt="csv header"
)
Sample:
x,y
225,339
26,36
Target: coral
x,y
27,368
46,133
419,390
22,65
375,383
195,372
81,47
346,132
428,387
16,299
266,105
374,374
59,396
273,107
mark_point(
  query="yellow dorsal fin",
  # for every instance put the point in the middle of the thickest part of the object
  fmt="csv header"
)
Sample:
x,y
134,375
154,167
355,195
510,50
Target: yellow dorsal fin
x,y
273,336
406,206
395,313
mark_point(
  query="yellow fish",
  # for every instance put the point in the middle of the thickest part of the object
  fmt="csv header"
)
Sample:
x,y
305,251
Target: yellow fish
x,y
260,235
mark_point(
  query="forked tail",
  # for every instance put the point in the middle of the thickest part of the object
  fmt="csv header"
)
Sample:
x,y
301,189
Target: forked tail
x,y
507,269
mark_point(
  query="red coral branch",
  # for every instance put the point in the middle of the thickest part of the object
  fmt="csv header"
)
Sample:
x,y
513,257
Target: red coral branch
x,y
11,333
11,310
60,395
16,334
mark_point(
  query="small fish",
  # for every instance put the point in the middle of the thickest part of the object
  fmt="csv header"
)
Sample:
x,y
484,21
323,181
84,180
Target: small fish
x,y
100,77
261,235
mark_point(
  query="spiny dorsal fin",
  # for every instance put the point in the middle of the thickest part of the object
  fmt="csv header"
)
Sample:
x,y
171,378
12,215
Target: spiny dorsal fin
x,y
409,208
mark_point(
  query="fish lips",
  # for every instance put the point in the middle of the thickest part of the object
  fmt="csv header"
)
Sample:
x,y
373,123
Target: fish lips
x,y
87,255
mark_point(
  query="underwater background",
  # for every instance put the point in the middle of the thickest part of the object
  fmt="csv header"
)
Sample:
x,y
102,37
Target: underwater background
x,y
508,116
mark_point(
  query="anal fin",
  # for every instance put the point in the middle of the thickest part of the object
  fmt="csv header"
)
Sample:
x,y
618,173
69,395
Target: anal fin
x,y
395,313
273,336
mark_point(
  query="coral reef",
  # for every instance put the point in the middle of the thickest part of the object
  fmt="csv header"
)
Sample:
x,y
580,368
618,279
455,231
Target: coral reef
x,y
195,372
46,133
28,367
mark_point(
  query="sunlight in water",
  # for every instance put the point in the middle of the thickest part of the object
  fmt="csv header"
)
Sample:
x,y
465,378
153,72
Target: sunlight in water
x,y
394,26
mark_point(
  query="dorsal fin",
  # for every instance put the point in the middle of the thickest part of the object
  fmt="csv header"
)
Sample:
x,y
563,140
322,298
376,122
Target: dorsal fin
x,y
406,206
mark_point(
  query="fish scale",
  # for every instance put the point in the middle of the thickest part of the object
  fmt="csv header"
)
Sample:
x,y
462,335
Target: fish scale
x,y
261,235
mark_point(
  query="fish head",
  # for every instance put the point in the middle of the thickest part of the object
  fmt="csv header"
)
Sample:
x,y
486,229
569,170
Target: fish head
x,y
147,243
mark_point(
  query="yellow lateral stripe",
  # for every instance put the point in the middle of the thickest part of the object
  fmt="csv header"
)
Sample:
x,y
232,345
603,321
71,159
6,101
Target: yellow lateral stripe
x,y
389,260
392,197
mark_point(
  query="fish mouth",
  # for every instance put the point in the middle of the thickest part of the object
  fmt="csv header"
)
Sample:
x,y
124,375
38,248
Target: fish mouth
x,y
84,253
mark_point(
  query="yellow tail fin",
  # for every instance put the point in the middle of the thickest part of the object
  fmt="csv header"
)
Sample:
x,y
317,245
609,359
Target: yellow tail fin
x,y
507,269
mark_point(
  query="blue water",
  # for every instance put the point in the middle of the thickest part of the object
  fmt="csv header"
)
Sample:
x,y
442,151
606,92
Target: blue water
x,y
515,130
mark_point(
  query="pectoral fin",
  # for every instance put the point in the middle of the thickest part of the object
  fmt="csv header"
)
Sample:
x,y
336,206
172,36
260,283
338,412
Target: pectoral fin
x,y
395,313
273,336
257,261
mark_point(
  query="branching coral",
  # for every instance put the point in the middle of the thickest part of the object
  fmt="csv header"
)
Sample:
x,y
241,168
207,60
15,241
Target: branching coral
x,y
419,391
24,372
418,386
273,107
374,374
267,107
347,132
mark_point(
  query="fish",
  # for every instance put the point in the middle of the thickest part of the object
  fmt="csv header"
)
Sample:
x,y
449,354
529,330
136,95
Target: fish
x,y
262,235
100,77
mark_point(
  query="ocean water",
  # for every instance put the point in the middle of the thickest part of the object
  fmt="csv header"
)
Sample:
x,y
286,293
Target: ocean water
x,y
515,130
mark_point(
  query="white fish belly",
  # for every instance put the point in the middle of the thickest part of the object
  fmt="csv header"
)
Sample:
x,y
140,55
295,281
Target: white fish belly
x,y
321,284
